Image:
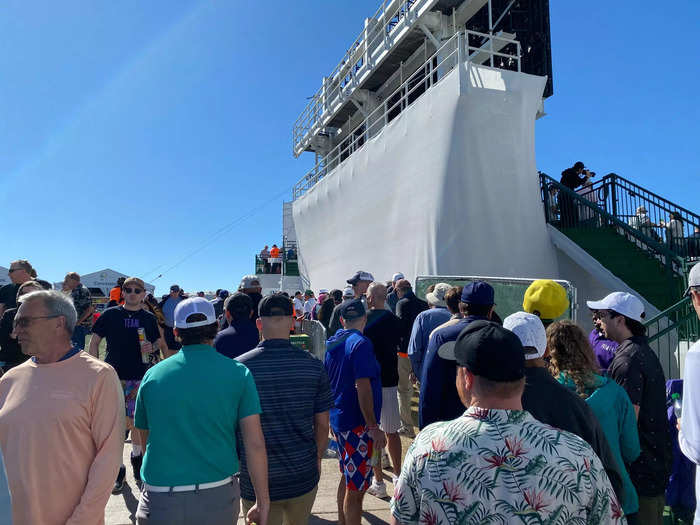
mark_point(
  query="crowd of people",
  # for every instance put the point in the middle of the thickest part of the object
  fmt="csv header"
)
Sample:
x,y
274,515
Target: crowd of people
x,y
271,258
526,416
563,208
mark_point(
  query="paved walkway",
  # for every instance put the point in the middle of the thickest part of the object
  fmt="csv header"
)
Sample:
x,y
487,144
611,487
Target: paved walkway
x,y
122,508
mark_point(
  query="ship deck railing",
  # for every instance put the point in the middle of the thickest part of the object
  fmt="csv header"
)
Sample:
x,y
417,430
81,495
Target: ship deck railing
x,y
498,50
382,30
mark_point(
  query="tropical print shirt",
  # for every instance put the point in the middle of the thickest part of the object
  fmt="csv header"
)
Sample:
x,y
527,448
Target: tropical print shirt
x,y
81,301
502,466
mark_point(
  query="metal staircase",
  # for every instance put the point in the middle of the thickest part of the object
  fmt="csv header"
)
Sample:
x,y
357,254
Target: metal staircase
x,y
605,220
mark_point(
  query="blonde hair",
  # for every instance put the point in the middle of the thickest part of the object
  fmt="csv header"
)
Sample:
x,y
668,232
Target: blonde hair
x,y
134,280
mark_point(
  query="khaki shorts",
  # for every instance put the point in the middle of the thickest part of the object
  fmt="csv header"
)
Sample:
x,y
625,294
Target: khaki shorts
x,y
292,511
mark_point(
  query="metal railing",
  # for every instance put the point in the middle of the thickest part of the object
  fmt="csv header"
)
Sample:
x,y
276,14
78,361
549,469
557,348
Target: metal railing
x,y
570,210
461,47
317,332
622,198
358,59
671,333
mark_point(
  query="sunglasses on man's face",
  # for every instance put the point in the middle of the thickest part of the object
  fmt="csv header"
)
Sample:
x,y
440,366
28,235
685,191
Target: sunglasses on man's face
x,y
133,290
13,270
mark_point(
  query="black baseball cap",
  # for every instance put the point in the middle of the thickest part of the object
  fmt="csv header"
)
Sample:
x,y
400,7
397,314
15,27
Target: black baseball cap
x,y
490,351
352,310
275,305
174,288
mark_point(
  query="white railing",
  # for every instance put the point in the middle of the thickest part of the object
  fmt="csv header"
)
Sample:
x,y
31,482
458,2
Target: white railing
x,y
454,51
376,38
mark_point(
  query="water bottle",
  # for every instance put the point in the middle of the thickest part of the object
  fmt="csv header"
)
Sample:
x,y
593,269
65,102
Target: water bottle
x,y
677,405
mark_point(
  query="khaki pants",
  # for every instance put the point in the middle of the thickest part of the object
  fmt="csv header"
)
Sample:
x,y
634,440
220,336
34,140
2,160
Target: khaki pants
x,y
292,511
405,392
651,510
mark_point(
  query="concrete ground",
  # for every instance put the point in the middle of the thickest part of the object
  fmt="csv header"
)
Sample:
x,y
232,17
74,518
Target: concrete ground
x,y
121,508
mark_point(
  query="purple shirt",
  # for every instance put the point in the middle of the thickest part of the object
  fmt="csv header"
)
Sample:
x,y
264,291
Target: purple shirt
x,y
604,349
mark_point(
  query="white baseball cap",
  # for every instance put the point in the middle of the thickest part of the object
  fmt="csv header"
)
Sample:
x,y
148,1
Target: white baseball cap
x,y
693,278
397,277
622,303
437,296
195,305
530,331
348,292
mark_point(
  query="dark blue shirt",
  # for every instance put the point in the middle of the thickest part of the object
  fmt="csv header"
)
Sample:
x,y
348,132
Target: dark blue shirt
x,y
350,356
293,388
424,324
439,399
237,339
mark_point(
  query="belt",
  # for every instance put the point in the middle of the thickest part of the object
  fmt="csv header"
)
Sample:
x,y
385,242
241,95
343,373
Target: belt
x,y
185,488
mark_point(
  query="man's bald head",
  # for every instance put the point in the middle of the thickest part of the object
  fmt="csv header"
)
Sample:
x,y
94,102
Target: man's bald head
x,y
376,295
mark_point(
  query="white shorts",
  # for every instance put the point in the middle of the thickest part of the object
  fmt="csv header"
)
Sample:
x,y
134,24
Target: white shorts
x,y
390,420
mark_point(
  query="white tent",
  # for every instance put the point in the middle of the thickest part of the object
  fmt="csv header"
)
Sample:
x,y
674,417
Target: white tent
x,y
104,280
4,276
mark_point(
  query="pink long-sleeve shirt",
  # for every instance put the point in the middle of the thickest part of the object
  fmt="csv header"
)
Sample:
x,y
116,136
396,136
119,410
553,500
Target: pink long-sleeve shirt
x,y
62,436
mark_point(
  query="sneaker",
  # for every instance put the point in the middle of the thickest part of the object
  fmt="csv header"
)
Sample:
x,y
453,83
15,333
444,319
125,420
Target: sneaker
x,y
119,483
407,431
136,465
378,490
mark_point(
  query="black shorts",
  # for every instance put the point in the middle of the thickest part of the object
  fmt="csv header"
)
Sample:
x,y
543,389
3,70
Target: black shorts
x,y
170,339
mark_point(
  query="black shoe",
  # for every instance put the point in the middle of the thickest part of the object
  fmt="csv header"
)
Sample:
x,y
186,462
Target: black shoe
x,y
136,465
119,483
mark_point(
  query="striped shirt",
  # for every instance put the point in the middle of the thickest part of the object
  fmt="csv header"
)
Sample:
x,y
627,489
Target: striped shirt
x,y
293,387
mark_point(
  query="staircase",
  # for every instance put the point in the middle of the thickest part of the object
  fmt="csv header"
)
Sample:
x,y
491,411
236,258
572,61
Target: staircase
x,y
602,220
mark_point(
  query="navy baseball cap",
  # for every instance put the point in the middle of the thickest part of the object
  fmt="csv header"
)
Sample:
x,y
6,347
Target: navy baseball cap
x,y
490,351
478,292
352,310
360,276
275,305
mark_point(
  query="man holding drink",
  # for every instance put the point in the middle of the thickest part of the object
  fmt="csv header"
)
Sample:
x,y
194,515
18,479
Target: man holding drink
x,y
131,333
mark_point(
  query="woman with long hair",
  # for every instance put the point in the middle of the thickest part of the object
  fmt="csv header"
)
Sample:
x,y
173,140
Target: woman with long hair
x,y
573,364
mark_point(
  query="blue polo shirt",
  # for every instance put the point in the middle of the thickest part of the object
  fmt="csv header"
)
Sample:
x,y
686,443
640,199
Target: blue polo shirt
x,y
439,399
293,388
191,404
350,356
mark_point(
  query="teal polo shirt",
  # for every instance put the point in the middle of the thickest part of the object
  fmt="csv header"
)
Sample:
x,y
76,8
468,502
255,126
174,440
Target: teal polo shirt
x,y
191,404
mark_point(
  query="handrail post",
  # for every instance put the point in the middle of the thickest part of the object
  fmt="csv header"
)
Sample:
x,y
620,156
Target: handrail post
x,y
613,194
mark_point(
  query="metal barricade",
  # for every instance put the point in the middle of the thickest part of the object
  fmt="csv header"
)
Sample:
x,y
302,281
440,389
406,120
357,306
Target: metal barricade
x,y
317,332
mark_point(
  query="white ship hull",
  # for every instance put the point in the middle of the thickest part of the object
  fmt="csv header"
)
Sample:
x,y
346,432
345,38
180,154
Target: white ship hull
x,y
449,187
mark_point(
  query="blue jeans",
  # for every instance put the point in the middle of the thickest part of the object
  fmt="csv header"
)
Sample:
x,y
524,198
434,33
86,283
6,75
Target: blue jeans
x,y
78,337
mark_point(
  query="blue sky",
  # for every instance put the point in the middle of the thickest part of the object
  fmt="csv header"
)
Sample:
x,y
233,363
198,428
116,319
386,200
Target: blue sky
x,y
131,132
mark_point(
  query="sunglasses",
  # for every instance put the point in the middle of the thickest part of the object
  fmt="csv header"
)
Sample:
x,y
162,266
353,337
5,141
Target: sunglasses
x,y
13,270
133,290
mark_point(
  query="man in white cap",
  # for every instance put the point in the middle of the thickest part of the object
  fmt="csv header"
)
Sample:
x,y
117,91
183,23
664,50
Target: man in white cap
x,y
359,282
425,323
637,369
187,411
689,434
392,298
570,412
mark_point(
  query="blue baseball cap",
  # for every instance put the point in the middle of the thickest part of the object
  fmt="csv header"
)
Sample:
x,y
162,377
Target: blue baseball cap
x,y
352,310
478,292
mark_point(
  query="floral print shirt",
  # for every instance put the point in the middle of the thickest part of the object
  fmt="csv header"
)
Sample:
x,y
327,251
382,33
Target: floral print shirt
x,y
502,466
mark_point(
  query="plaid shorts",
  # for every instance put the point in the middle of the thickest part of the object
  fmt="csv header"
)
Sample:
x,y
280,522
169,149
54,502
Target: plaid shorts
x,y
354,455
131,388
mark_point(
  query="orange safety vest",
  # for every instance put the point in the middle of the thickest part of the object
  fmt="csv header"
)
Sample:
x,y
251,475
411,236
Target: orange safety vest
x,y
115,294
275,253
